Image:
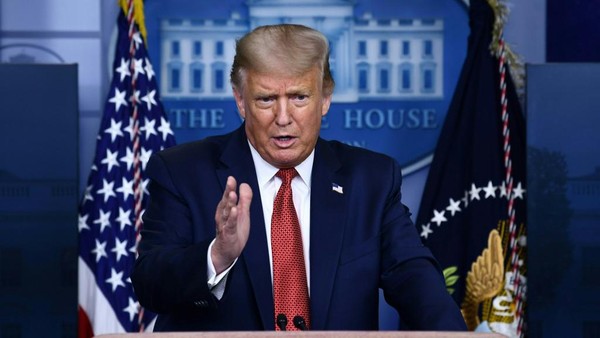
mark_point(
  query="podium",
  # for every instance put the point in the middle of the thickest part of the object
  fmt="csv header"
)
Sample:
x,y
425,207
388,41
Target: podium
x,y
307,334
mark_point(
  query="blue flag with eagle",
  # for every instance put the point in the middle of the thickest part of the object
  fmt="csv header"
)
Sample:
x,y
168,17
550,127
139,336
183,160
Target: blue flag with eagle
x,y
133,127
472,214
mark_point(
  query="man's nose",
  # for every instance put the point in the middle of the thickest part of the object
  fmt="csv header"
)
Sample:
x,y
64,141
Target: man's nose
x,y
283,114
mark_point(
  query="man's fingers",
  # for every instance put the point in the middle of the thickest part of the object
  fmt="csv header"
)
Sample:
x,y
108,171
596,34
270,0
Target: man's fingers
x,y
230,202
232,220
227,201
233,208
245,197
230,186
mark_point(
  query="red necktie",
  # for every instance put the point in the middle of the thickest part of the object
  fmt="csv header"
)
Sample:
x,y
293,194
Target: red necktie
x,y
290,290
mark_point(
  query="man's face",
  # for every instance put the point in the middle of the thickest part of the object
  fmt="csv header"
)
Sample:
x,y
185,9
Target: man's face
x,y
283,115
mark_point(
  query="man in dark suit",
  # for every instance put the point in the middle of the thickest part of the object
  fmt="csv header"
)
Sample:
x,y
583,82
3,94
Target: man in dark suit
x,y
209,254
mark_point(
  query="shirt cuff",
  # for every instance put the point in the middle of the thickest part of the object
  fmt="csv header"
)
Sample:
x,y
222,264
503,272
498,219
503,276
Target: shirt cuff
x,y
216,283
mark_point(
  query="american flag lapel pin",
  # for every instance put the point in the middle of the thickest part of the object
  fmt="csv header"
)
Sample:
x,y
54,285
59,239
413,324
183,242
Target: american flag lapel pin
x,y
337,188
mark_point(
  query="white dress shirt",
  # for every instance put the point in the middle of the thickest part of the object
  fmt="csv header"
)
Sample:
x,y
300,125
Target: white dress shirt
x,y
268,185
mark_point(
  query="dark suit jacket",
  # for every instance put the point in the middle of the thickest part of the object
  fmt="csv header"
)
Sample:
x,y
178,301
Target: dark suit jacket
x,y
360,241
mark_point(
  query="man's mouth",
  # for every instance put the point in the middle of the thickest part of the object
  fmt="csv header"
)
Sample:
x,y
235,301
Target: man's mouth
x,y
284,141
283,138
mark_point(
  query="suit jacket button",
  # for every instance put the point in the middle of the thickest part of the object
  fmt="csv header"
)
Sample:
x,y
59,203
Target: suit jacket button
x,y
201,303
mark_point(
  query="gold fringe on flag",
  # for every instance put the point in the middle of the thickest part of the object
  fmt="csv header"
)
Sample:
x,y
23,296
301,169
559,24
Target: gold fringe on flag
x,y
515,63
138,15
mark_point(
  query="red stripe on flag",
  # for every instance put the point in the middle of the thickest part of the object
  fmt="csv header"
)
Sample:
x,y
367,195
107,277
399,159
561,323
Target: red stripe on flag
x,y
84,326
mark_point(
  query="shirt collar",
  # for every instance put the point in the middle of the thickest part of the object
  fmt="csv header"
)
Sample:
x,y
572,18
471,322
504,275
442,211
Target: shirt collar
x,y
265,171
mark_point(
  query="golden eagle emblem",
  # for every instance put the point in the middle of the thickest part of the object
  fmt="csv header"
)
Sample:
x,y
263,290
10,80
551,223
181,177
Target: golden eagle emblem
x,y
484,280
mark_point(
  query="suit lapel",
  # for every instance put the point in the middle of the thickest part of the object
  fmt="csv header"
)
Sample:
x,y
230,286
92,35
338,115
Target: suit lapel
x,y
327,219
237,161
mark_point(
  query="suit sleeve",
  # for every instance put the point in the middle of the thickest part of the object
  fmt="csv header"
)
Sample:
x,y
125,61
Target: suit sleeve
x,y
170,274
411,278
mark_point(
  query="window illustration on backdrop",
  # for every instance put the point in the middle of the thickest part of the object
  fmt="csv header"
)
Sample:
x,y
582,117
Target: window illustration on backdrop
x,y
371,58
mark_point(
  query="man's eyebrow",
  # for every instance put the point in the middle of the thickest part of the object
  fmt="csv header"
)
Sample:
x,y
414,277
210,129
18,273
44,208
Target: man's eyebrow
x,y
299,91
264,93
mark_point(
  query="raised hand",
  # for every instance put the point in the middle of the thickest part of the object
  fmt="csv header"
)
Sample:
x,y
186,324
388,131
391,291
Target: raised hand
x,y
232,221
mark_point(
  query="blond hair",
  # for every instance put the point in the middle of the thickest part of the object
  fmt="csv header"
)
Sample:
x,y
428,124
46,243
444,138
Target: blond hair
x,y
284,49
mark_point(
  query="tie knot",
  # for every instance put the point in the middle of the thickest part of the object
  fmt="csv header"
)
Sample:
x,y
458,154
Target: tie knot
x,y
287,175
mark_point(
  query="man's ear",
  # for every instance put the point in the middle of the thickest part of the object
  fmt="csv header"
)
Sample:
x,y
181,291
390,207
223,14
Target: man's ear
x,y
326,104
239,102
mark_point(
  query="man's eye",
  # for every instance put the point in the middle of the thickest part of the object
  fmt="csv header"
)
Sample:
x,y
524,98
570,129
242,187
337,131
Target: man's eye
x,y
265,99
301,97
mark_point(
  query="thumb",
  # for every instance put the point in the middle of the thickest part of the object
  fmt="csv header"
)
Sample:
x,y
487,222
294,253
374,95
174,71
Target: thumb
x,y
245,197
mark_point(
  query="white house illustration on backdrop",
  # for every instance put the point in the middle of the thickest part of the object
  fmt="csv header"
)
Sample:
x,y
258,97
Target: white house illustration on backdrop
x,y
371,59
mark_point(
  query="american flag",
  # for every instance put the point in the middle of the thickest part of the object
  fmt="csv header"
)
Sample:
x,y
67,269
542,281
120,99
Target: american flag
x,y
133,127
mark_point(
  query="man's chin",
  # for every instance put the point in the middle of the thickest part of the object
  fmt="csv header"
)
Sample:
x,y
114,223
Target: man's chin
x,y
284,158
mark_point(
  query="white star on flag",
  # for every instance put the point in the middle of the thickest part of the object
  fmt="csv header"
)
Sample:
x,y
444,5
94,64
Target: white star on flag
x,y
83,222
123,69
124,217
138,67
438,217
128,158
149,70
465,199
149,99
111,159
116,279
88,194
118,99
165,128
132,308
426,230
518,192
490,190
114,130
129,128
126,188
100,250
454,206
145,157
103,220
120,249
137,39
145,183
474,193
107,190
148,128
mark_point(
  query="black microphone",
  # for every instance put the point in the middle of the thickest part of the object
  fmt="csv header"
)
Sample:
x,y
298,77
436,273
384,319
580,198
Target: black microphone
x,y
300,324
281,321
